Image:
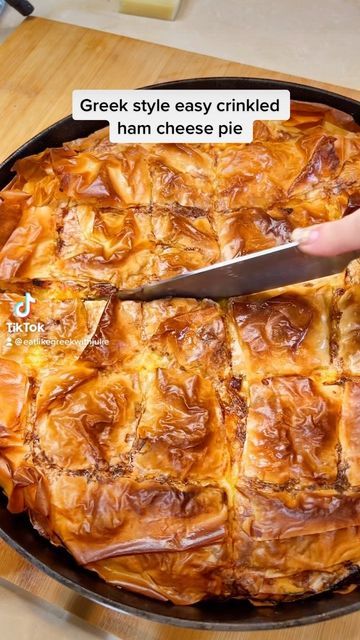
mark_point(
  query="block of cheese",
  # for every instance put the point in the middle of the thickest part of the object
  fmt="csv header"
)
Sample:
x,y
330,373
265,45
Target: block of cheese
x,y
163,9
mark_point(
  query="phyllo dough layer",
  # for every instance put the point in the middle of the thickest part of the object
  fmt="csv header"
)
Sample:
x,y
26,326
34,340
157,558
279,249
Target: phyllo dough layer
x,y
128,214
184,449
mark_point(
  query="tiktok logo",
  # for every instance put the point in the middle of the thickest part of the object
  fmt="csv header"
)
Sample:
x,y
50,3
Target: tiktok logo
x,y
22,309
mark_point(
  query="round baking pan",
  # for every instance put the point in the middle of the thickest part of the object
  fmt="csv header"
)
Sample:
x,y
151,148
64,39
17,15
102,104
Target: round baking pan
x,y
16,530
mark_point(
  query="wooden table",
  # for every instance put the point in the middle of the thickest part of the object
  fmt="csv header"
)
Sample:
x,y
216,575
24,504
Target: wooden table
x,y
43,62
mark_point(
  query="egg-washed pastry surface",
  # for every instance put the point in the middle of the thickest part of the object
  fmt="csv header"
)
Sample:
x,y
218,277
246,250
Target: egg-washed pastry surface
x,y
94,212
184,449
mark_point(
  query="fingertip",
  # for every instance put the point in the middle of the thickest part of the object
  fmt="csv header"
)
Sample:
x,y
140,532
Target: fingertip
x,y
305,236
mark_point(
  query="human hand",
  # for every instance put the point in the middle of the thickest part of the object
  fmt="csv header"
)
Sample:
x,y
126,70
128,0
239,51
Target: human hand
x,y
330,238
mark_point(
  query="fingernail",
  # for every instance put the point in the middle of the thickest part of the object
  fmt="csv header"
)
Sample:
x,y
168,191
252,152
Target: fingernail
x,y
305,235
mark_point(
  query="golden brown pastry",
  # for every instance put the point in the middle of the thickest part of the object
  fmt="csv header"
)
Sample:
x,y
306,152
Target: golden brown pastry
x,y
282,333
292,431
184,449
350,431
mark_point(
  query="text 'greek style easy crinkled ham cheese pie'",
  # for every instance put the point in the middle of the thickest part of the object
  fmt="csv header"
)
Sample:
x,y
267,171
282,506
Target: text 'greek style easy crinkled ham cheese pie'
x,y
182,448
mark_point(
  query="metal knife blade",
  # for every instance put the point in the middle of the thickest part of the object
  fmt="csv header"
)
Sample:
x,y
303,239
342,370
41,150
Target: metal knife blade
x,y
254,272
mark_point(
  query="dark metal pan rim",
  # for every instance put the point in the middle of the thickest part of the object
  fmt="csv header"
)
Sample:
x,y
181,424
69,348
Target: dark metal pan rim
x,y
17,531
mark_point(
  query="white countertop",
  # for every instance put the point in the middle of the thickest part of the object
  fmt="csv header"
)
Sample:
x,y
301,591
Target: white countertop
x,y
315,39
